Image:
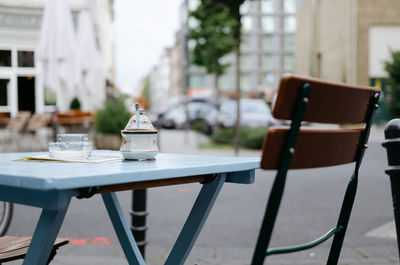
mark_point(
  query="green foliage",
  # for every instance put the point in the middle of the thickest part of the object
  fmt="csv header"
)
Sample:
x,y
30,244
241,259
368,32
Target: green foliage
x,y
75,104
252,138
393,69
213,35
113,117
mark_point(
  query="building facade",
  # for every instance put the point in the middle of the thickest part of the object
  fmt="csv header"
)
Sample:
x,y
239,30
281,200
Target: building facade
x,y
267,51
346,41
21,81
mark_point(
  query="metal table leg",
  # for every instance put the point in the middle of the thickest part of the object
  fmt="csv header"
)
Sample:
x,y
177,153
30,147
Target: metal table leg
x,y
122,229
195,221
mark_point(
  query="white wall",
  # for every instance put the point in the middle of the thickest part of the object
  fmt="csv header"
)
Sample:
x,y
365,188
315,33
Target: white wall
x,y
381,40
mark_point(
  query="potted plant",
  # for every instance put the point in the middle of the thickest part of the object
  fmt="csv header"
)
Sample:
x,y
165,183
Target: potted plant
x,y
109,121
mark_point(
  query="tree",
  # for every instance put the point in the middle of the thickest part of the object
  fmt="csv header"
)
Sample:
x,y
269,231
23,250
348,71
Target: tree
x,y
392,67
213,36
234,10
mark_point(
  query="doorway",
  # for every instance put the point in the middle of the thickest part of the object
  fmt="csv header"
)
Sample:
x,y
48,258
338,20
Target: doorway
x,y
26,93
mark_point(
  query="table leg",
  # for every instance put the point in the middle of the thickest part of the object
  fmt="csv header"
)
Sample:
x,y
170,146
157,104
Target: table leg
x,y
45,234
195,221
122,229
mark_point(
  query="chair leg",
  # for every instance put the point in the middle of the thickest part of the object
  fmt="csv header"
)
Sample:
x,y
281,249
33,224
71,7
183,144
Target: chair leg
x,y
264,236
343,220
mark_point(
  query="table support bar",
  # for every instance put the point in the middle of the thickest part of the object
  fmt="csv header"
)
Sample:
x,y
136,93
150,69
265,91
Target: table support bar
x,y
194,223
45,234
122,229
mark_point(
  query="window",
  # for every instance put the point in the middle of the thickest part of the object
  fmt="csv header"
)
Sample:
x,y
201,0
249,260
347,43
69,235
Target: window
x,y
289,24
246,43
247,23
246,82
269,79
245,8
268,24
26,59
197,80
49,97
268,62
247,62
289,6
288,42
226,82
288,62
269,42
4,83
5,58
267,6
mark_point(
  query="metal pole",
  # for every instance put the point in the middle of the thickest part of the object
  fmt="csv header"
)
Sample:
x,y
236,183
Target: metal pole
x,y
138,217
392,145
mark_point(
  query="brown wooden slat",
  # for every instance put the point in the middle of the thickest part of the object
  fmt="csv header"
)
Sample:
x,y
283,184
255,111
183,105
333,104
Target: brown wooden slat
x,y
155,183
314,148
329,102
14,248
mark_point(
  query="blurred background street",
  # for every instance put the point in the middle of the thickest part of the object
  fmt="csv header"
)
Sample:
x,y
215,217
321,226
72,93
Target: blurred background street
x,y
229,235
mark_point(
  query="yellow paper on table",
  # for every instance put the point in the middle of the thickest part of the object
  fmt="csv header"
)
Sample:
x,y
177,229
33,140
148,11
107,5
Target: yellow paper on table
x,y
93,159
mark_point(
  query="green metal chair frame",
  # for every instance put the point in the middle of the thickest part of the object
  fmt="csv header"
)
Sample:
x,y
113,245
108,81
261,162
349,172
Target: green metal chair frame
x,y
299,90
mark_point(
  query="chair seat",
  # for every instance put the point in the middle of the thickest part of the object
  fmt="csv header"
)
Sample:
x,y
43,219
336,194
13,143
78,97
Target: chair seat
x,y
13,247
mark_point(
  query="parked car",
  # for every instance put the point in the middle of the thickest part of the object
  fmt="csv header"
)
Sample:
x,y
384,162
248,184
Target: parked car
x,y
198,110
253,113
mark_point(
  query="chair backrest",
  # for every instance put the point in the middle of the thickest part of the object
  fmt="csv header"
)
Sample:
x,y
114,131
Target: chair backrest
x,y
17,123
37,121
328,102
302,99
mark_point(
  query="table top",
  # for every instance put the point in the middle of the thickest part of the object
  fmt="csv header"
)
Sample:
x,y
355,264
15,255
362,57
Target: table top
x,y
61,175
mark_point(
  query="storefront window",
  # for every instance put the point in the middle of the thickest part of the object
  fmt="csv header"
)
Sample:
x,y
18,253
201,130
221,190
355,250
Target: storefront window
x,y
4,83
5,58
49,97
269,79
26,59
197,80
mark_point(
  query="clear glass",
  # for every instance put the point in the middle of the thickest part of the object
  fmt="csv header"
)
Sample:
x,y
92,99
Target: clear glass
x,y
5,58
289,42
247,23
268,62
268,24
288,62
4,85
289,24
72,137
289,6
26,59
269,42
267,6
247,62
70,150
269,78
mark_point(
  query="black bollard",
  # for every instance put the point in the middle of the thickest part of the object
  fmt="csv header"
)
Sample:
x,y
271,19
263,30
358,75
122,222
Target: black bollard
x,y
392,145
138,218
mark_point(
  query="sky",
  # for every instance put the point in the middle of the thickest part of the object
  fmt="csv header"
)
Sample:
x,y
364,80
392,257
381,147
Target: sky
x,y
143,29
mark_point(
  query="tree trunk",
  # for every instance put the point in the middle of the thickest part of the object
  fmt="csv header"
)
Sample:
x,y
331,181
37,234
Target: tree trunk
x,y
238,95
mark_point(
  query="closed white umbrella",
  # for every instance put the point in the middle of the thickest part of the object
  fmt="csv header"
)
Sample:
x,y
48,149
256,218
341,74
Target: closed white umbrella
x,y
88,62
57,51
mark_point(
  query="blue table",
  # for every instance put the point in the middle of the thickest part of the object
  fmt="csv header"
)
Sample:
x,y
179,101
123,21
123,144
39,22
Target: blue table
x,y
51,185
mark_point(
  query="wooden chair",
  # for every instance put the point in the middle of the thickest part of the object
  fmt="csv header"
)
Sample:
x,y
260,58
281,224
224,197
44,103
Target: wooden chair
x,y
14,248
17,123
37,121
312,100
